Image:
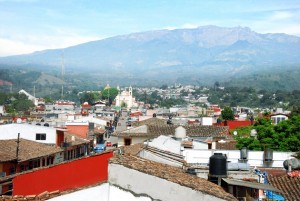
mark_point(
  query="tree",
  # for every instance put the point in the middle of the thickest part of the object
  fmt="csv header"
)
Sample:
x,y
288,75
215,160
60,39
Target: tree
x,y
22,105
90,97
284,136
227,114
110,94
164,87
123,105
295,111
216,85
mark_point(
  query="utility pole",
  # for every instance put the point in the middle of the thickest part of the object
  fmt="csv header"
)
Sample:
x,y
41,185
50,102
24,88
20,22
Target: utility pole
x,y
17,152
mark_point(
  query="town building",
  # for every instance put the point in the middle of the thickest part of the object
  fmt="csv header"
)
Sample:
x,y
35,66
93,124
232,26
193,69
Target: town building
x,y
125,99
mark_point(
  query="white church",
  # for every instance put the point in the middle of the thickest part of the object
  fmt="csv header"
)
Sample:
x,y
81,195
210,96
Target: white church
x,y
126,98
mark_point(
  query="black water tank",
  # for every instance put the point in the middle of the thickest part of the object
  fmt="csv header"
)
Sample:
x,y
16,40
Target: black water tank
x,y
293,162
218,165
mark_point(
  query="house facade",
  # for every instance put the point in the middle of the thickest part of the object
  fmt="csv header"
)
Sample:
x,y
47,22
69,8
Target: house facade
x,y
41,134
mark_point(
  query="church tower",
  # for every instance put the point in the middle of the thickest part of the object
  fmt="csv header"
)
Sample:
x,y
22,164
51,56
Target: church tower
x,y
130,91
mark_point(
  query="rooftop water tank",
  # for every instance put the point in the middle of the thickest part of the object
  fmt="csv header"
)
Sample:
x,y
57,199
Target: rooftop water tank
x,y
293,162
180,132
218,165
244,153
268,155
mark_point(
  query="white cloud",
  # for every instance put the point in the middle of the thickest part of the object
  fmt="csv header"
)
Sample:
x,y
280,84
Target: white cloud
x,y
189,26
10,47
281,15
19,44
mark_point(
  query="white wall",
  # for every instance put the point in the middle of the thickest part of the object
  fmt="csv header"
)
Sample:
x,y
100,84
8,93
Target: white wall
x,y
28,132
103,192
199,145
154,187
134,140
206,121
255,158
1,110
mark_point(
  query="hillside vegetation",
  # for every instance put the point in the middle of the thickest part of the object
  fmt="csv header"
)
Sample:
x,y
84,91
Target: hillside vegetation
x,y
286,80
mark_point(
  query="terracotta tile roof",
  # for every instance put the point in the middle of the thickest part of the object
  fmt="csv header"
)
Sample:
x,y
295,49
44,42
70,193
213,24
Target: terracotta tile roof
x,y
27,150
290,186
191,131
151,121
75,140
132,149
171,174
228,145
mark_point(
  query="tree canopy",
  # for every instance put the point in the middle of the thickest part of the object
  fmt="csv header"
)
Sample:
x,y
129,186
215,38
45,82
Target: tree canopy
x,y
227,114
90,97
110,94
285,136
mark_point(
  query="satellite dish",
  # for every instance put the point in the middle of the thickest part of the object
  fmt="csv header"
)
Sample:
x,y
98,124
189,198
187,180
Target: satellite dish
x,y
234,132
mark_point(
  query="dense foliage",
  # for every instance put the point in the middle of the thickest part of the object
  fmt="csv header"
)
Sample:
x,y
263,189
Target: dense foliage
x,y
16,103
285,136
110,94
227,114
154,99
249,97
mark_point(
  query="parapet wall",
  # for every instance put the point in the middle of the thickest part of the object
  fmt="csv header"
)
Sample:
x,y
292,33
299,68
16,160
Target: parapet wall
x,y
74,174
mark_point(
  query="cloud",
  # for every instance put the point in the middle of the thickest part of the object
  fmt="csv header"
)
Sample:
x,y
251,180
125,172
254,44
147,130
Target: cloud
x,y
189,26
11,47
281,15
31,43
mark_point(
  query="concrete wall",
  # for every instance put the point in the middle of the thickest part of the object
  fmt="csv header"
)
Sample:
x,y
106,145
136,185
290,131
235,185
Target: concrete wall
x,y
74,174
156,188
134,140
255,158
28,132
78,129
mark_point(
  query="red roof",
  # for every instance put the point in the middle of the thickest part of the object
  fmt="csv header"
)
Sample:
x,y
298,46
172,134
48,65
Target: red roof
x,y
135,114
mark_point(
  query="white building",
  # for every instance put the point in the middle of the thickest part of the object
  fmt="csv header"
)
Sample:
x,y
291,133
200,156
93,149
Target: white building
x,y
278,118
126,98
41,134
30,97
60,106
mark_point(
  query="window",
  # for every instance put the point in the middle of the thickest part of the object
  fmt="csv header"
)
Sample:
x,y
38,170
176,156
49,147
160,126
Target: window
x,y
40,136
127,141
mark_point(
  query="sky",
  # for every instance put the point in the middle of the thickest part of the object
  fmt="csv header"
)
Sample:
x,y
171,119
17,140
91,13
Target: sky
x,y
33,25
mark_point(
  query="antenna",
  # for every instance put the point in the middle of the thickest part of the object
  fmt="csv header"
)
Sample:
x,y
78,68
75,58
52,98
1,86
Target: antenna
x,y
62,74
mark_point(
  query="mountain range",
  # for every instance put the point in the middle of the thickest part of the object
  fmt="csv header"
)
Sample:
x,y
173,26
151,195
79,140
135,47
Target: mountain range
x,y
202,55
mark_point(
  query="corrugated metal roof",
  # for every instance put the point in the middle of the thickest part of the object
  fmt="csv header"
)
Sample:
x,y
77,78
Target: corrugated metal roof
x,y
251,185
